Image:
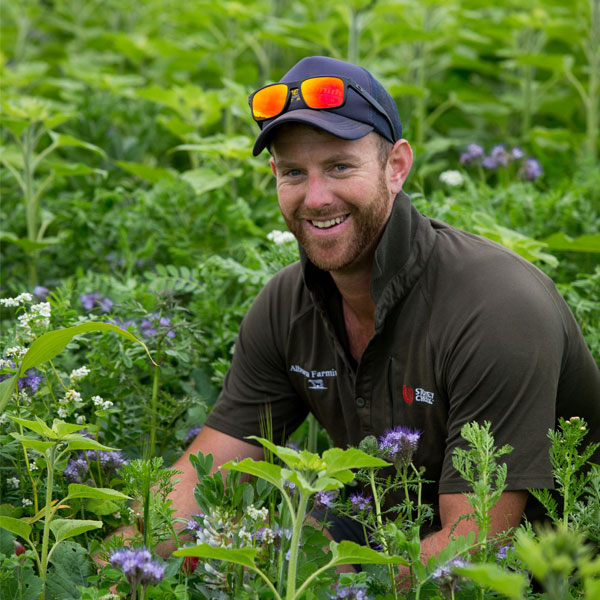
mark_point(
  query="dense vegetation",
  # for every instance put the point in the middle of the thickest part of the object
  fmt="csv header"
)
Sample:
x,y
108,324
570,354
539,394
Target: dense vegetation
x,y
133,211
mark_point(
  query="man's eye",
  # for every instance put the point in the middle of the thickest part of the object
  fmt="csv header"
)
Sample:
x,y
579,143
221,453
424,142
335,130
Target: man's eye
x,y
292,173
341,167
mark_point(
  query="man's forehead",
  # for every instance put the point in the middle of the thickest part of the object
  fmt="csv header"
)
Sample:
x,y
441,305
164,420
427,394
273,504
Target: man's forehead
x,y
291,137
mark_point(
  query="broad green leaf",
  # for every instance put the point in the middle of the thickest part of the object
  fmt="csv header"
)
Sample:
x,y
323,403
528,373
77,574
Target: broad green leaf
x,y
83,443
148,173
239,556
62,429
64,169
289,456
583,243
15,526
260,468
78,490
29,245
38,426
551,62
50,344
494,577
102,507
66,528
348,552
71,566
61,139
7,387
27,442
337,459
15,126
204,179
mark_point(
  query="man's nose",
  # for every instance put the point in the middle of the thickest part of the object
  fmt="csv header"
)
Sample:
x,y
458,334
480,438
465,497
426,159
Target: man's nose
x,y
318,193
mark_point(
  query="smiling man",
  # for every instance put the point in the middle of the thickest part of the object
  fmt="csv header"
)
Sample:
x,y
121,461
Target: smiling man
x,y
391,318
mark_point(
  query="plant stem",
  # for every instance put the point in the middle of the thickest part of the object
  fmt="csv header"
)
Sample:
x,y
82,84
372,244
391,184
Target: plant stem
x,y
50,456
153,406
593,107
298,520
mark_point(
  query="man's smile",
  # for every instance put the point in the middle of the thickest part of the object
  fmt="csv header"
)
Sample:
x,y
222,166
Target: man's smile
x,y
326,224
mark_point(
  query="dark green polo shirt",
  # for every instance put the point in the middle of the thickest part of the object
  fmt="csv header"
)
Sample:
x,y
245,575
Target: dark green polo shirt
x,y
465,330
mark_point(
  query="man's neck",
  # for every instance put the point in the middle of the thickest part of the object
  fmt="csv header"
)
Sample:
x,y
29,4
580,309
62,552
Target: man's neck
x,y
359,308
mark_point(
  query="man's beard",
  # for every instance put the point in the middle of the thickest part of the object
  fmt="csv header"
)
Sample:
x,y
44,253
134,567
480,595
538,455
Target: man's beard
x,y
368,220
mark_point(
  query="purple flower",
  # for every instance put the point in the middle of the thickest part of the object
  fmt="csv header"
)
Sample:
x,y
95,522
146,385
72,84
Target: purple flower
x,y
503,552
192,433
489,162
500,155
360,502
517,153
446,578
76,470
110,462
532,169
399,445
40,292
349,592
125,325
473,153
324,500
138,566
93,300
151,327
193,525
31,380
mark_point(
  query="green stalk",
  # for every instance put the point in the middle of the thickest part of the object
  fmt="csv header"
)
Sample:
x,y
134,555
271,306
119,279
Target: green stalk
x,y
353,34
48,516
298,519
29,193
593,107
153,405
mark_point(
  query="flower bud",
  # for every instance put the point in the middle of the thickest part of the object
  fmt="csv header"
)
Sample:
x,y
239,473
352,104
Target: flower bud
x,y
19,548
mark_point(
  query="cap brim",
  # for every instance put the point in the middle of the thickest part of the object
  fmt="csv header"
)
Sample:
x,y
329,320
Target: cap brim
x,y
337,125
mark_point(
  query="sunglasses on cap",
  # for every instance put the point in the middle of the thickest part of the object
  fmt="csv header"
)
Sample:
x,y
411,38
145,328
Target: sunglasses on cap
x,y
318,93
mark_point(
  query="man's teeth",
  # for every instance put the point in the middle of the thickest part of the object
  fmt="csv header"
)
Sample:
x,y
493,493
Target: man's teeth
x,y
329,223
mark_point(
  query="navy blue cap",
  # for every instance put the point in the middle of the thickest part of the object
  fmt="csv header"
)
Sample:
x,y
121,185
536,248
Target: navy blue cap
x,y
354,119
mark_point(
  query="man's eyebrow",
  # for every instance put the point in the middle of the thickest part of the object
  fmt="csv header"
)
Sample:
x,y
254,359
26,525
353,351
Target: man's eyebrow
x,y
339,157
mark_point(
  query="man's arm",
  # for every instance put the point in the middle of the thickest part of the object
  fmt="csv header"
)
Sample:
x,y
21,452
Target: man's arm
x,y
506,514
224,448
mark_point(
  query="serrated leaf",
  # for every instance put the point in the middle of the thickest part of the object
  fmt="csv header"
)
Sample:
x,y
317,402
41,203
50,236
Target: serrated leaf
x,y
16,526
78,490
495,578
239,556
66,528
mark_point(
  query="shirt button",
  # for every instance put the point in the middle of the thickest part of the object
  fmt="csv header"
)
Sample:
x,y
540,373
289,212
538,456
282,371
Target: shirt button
x,y
360,402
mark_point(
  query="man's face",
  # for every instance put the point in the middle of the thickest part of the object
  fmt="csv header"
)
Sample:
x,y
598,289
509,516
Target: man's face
x,y
333,194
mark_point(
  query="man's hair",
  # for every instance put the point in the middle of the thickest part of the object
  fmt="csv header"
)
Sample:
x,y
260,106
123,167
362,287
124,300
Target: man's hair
x,y
384,148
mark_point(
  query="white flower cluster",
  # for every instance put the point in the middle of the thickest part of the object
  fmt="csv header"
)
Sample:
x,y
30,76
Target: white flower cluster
x,y
101,403
452,178
4,363
13,482
17,352
39,314
17,301
63,413
71,396
27,502
257,514
79,374
280,237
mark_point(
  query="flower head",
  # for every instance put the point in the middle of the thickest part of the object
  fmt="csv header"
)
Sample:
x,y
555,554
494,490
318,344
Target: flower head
x,y
349,592
399,444
446,578
324,500
93,300
138,566
192,433
452,178
531,169
280,237
360,502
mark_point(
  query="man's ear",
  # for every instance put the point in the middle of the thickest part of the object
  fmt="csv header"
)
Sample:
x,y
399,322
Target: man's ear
x,y
398,165
273,167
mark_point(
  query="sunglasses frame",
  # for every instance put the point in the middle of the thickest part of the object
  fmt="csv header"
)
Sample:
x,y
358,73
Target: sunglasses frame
x,y
348,83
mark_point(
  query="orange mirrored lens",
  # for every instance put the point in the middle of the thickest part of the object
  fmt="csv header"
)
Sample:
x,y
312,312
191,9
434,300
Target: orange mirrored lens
x,y
269,101
323,92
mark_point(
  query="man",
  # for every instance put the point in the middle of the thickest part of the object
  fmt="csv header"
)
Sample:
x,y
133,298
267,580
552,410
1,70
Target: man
x,y
391,318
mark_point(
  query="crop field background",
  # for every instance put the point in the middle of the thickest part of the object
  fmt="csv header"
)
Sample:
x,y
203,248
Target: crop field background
x,y
130,200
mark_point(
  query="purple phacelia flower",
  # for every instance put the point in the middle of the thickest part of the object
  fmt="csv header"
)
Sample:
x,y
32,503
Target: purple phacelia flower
x,y
93,300
192,433
399,445
360,502
532,169
150,327
500,155
138,566
517,153
40,292
489,162
31,380
446,578
349,592
324,500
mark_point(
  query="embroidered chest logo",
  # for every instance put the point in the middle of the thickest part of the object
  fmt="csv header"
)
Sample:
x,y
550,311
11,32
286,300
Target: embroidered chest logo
x,y
315,379
411,395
